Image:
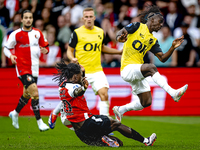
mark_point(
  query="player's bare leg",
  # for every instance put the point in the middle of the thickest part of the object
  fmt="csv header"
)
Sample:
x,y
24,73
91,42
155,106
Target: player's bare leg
x,y
131,133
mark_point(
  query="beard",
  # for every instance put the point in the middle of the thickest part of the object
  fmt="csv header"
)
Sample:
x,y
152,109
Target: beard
x,y
28,26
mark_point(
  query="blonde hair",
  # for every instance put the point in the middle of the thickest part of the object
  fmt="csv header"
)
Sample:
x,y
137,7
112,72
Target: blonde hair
x,y
88,9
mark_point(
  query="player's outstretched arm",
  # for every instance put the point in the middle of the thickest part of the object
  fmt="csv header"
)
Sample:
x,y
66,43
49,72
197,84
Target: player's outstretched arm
x,y
108,50
177,42
163,57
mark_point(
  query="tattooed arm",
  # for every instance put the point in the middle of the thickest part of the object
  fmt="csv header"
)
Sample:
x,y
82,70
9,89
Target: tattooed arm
x,y
81,90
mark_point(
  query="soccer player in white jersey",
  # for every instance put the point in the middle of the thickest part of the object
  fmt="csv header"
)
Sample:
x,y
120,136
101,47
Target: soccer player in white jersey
x,y
28,43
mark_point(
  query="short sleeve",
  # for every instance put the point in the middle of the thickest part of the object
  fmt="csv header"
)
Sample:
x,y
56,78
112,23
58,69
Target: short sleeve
x,y
156,48
71,88
73,40
11,42
132,27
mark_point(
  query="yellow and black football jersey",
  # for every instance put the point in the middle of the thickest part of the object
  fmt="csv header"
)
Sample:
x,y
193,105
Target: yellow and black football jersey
x,y
88,45
139,41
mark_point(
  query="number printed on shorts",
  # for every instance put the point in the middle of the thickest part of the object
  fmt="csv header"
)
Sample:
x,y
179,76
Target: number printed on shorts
x,y
97,119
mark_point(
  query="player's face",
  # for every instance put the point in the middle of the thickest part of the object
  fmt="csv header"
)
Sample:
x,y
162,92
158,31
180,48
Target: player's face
x,y
157,24
88,19
27,20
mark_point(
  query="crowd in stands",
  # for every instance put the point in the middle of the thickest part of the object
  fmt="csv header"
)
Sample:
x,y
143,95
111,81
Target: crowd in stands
x,y
57,19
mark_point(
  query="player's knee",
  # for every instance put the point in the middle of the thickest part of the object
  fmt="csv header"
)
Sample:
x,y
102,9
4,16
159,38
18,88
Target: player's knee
x,y
104,96
152,68
35,94
114,124
147,102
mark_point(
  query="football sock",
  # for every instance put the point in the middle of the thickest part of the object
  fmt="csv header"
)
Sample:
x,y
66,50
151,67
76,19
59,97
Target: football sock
x,y
145,140
57,109
161,81
22,102
136,136
135,105
15,113
104,108
36,108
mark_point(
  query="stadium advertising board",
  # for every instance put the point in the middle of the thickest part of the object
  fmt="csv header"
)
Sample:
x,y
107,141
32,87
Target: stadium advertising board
x,y
119,93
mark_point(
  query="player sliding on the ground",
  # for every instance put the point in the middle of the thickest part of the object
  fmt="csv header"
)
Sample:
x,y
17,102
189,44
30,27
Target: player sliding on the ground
x,y
90,129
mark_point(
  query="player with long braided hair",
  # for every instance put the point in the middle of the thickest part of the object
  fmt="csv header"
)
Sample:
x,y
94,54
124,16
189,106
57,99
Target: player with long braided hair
x,y
138,39
91,129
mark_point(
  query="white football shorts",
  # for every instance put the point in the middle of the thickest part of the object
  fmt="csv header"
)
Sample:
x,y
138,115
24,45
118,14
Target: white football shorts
x,y
132,74
97,80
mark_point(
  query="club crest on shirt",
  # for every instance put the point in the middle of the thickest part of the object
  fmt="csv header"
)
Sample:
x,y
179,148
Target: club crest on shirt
x,y
36,36
29,78
150,41
129,25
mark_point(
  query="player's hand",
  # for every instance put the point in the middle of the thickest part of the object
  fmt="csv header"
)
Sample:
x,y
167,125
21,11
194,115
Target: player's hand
x,y
82,68
43,50
13,59
74,60
177,42
85,82
122,38
121,51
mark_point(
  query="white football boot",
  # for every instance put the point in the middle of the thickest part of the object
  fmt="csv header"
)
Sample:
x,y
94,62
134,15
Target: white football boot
x,y
180,93
42,126
118,115
14,119
151,140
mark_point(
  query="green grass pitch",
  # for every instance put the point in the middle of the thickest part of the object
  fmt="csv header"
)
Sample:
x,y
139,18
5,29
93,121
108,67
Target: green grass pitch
x,y
173,133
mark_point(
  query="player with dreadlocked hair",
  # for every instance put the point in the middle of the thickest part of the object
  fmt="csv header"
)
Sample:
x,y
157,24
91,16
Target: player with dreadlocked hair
x,y
138,39
90,129
151,11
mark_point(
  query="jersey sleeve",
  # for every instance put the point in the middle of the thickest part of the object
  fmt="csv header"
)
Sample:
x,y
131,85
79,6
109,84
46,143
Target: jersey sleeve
x,y
11,42
132,27
71,88
156,48
73,40
43,42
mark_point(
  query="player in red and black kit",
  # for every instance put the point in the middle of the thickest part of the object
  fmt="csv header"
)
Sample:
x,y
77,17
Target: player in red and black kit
x,y
91,129
28,43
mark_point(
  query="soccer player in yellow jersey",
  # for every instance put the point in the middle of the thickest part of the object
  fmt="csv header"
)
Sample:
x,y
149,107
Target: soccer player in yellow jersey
x,y
87,42
138,39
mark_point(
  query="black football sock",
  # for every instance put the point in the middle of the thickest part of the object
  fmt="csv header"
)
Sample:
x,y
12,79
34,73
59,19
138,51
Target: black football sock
x,y
136,136
22,102
36,108
130,133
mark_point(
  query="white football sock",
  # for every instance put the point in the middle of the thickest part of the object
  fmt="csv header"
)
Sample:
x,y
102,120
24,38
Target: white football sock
x,y
135,105
145,140
15,113
104,108
57,109
161,81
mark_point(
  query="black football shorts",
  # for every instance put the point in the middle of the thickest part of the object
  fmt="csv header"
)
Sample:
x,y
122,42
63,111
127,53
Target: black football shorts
x,y
93,129
28,79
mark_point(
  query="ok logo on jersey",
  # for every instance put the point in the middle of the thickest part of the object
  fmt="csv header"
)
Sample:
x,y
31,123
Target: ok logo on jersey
x,y
139,46
91,46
